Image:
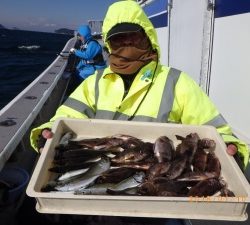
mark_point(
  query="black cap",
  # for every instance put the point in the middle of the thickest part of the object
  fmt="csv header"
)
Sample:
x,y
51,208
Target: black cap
x,y
123,28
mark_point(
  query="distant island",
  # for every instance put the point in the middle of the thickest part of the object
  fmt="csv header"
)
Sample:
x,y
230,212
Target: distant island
x,y
65,31
2,27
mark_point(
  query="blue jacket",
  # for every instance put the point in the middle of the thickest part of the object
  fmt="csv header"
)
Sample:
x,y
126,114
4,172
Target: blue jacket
x,y
90,50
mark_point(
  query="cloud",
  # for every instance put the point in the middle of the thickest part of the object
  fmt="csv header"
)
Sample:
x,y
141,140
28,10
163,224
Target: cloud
x,y
50,25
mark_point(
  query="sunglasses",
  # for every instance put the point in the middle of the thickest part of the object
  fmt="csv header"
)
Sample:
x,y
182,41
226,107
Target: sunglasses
x,y
137,39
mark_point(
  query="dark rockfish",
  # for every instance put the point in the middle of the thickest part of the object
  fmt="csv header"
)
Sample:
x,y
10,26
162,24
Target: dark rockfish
x,y
207,143
71,164
126,139
115,175
196,176
79,153
89,143
162,187
133,155
206,188
158,170
169,185
188,146
61,148
138,166
200,160
147,188
176,168
132,143
226,192
106,142
164,149
75,160
67,168
213,164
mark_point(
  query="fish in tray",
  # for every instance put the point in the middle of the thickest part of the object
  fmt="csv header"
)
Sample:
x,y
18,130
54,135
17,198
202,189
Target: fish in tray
x,y
71,174
75,165
125,165
213,164
200,160
77,152
206,187
143,166
107,143
115,175
162,186
64,141
130,182
76,160
64,178
164,149
111,188
157,170
84,179
195,176
134,155
96,189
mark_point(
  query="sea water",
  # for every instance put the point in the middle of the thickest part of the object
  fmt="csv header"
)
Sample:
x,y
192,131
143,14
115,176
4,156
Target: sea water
x,y
24,55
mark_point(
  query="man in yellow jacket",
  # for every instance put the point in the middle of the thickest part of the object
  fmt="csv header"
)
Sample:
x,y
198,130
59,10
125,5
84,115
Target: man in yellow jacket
x,y
137,87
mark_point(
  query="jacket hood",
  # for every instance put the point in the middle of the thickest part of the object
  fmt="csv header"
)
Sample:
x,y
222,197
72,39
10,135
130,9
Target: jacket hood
x,y
128,11
85,31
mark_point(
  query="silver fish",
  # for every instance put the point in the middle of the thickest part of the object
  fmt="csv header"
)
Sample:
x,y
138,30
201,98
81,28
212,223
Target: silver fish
x,y
130,182
87,179
96,189
70,174
65,138
128,191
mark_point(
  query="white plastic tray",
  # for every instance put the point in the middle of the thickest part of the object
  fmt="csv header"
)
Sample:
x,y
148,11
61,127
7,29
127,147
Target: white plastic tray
x,y
214,208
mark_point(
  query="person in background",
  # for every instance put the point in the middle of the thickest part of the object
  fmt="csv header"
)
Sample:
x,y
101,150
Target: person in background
x,y
90,54
137,87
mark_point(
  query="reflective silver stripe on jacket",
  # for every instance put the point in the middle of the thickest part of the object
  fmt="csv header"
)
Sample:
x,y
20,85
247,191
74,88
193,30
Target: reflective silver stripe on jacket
x,y
167,99
80,107
218,121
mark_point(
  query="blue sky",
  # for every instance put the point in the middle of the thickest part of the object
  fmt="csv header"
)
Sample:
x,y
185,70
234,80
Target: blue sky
x,y
48,15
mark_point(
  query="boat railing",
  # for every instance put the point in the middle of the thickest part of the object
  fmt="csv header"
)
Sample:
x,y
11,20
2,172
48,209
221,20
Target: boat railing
x,y
35,104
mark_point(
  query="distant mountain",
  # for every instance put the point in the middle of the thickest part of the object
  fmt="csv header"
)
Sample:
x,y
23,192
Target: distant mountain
x,y
2,27
64,31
